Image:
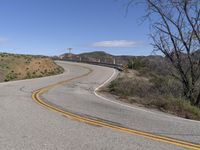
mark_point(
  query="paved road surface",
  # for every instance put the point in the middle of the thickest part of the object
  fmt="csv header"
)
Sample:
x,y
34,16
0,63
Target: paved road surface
x,y
25,125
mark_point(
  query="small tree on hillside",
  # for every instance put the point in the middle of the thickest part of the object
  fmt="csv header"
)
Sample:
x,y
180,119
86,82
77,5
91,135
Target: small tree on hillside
x,y
175,31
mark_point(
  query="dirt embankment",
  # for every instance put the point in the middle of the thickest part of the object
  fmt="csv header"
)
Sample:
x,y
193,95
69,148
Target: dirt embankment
x,y
16,67
131,87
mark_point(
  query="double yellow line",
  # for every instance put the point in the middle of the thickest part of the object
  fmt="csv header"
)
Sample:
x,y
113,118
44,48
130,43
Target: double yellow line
x,y
37,98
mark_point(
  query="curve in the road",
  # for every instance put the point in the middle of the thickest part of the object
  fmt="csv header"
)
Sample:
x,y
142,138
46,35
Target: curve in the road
x,y
37,98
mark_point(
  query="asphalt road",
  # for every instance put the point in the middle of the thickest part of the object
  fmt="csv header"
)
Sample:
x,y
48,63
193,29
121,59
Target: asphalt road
x,y
100,123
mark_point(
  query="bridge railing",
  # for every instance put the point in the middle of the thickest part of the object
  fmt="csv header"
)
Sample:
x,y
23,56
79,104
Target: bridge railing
x,y
115,66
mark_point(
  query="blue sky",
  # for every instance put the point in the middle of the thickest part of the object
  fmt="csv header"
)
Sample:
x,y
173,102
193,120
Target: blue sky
x,y
49,27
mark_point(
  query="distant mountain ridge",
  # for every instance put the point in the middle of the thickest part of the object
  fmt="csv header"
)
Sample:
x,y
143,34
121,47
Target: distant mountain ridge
x,y
101,56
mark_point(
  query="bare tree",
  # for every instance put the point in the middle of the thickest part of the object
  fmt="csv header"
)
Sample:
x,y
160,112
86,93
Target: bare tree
x,y
176,33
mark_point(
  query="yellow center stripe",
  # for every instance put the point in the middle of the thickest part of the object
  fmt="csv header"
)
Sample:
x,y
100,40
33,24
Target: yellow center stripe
x,y
37,98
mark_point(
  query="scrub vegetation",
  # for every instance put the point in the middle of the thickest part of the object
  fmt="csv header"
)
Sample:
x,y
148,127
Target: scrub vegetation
x,y
174,86
152,86
16,67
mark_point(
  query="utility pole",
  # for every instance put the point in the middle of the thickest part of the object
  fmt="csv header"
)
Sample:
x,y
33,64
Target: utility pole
x,y
114,61
70,50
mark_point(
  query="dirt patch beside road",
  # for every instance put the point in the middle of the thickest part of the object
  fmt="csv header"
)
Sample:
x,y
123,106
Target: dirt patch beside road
x,y
16,67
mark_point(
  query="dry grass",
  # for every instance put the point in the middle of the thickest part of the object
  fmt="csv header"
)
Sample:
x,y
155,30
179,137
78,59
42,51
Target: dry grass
x,y
16,67
156,92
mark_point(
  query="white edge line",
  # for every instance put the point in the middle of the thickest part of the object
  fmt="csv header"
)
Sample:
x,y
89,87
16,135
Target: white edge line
x,y
132,107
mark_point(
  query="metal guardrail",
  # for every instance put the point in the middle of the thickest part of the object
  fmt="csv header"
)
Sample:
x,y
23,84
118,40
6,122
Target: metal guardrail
x,y
115,66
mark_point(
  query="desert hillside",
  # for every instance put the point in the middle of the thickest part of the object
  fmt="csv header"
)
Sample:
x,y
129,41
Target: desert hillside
x,y
103,57
16,67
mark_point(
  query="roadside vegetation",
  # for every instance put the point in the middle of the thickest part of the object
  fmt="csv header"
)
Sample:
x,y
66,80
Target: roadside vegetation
x,y
16,67
175,86
152,86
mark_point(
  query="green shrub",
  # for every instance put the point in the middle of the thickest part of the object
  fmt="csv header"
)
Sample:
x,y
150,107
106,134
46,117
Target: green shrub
x,y
130,87
166,85
10,76
136,63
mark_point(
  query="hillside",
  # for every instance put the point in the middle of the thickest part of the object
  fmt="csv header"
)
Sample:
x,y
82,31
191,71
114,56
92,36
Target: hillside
x,y
101,56
91,56
16,67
